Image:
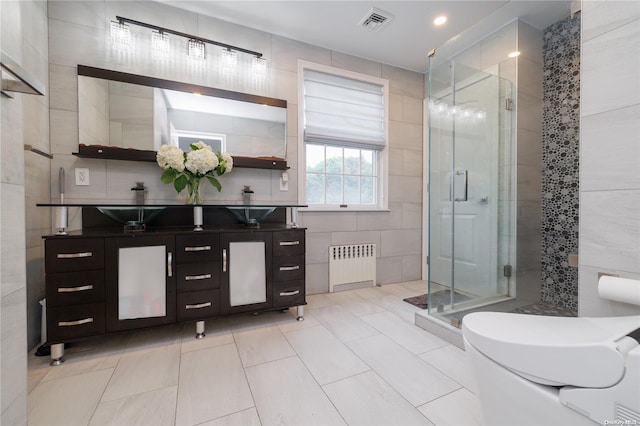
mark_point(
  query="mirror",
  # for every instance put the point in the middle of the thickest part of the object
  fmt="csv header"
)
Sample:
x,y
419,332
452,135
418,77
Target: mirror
x,y
131,114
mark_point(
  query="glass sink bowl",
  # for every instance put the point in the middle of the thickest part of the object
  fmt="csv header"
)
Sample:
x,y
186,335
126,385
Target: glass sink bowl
x,y
133,218
251,215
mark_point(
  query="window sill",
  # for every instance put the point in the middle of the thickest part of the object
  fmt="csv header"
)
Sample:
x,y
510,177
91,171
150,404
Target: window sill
x,y
342,209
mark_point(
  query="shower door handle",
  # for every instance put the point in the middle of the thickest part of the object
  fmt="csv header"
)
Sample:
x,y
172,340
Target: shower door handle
x,y
465,176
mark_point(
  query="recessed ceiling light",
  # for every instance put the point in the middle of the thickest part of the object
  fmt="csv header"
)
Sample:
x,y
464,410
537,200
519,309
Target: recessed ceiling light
x,y
514,54
440,20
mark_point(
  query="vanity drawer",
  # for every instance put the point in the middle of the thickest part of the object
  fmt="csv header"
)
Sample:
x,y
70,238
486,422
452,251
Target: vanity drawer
x,y
198,305
198,276
290,293
72,288
74,254
288,243
72,322
288,268
197,248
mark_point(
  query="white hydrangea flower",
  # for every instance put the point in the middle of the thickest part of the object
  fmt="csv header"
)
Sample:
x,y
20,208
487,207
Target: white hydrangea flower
x,y
170,157
200,145
201,161
225,161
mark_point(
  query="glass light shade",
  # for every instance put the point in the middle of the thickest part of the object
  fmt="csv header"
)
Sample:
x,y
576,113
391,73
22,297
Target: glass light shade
x,y
159,45
229,60
259,66
196,50
120,36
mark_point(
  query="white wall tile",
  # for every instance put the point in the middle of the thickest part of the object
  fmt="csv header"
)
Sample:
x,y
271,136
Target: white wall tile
x,y
317,247
12,249
286,53
13,328
610,229
603,86
400,242
600,17
369,221
389,270
87,13
352,63
317,278
609,150
403,82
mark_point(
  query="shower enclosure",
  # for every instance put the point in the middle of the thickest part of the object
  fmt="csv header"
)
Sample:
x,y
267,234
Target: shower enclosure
x,y
470,132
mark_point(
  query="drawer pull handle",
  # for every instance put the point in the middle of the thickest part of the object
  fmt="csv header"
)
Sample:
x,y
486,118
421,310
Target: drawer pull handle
x,y
74,255
75,289
72,323
198,306
169,262
224,260
197,277
289,293
289,243
200,248
290,268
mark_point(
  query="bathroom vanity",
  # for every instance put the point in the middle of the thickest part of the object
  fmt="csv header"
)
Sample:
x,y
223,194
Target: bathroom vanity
x,y
105,279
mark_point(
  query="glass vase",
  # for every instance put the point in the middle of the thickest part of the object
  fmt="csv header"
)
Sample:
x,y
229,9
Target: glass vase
x,y
193,190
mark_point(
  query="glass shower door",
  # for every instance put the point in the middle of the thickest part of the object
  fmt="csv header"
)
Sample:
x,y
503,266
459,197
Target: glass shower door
x,y
466,144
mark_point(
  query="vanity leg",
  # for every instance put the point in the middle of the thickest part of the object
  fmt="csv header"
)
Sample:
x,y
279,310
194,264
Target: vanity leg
x,y
57,354
300,312
199,329
294,217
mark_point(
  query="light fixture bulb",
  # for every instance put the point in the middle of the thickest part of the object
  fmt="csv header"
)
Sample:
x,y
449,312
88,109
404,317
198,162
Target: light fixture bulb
x,y
259,66
514,54
229,59
120,36
159,45
440,20
196,50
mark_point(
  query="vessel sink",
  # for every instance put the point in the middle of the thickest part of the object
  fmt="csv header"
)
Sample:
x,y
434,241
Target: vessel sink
x,y
132,217
251,216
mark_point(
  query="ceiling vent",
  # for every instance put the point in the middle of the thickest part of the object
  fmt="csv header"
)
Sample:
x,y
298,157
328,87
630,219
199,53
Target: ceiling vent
x,y
375,19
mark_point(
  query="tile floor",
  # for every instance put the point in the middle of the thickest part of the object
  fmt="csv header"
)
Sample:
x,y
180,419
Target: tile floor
x,y
356,359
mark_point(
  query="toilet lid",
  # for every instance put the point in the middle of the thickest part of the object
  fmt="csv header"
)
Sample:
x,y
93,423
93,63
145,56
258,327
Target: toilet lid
x,y
556,351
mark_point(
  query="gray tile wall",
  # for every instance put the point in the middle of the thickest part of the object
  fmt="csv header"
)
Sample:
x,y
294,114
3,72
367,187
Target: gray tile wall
x,y
79,35
23,26
609,151
560,161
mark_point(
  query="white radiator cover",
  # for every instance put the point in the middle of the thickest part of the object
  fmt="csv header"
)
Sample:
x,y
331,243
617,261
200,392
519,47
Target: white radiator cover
x,y
351,263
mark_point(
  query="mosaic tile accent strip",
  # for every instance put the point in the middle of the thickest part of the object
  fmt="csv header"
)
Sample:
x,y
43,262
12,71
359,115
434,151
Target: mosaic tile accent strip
x,y
560,161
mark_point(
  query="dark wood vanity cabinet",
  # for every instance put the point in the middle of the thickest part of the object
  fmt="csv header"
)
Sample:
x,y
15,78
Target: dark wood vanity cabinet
x,y
75,288
110,283
141,283
288,268
198,276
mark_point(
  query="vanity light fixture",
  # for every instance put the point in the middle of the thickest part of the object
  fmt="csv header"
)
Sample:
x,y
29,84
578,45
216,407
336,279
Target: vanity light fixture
x,y
160,47
440,20
229,60
259,66
121,39
120,35
196,50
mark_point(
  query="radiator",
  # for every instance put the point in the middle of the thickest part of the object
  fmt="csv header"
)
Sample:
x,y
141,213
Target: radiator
x,y
351,264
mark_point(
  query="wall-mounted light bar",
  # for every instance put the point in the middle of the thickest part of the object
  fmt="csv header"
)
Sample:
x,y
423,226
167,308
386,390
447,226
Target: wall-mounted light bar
x,y
121,30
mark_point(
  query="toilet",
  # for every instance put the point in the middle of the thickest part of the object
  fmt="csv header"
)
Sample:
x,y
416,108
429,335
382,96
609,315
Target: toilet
x,y
541,370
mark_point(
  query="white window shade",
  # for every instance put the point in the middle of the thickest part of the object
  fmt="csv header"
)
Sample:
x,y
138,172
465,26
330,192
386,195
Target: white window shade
x,y
343,111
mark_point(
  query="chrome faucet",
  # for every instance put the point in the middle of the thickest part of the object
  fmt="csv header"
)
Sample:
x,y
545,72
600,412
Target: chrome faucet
x,y
246,195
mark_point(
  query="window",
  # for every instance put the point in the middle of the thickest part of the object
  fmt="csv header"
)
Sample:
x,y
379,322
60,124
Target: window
x,y
344,128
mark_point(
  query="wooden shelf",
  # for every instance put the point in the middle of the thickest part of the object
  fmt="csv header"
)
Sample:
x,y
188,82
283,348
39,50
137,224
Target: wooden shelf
x,y
114,153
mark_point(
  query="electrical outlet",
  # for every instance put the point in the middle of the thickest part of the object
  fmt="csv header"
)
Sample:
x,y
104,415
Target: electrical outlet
x,y
82,177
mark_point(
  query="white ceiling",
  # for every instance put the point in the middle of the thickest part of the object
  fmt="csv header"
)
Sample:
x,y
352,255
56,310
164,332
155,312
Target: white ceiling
x,y
403,42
